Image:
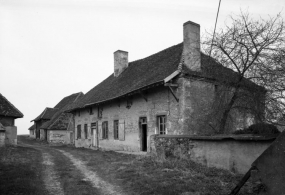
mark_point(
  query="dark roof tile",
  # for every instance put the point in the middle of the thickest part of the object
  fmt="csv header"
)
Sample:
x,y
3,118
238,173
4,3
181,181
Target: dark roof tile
x,y
8,109
59,121
151,70
33,127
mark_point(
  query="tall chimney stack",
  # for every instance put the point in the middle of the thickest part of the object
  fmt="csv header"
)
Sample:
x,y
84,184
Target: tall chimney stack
x,y
120,62
191,46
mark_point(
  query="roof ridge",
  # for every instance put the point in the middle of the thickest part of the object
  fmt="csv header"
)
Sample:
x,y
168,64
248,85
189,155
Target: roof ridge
x,y
12,105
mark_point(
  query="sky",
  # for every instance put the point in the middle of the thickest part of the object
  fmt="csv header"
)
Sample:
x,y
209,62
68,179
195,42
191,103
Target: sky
x,y
50,49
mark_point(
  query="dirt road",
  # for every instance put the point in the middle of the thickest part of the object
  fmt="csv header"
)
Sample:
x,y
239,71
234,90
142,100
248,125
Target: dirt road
x,y
69,171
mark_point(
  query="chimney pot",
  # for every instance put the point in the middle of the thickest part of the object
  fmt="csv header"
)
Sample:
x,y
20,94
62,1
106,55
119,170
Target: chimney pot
x,y
120,62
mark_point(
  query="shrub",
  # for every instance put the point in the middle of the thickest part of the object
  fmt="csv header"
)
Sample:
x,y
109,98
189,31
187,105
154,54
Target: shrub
x,y
259,129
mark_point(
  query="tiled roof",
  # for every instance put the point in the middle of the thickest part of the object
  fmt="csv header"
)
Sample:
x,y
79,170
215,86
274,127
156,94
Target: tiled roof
x,y
46,114
8,109
139,74
153,70
60,120
210,69
33,127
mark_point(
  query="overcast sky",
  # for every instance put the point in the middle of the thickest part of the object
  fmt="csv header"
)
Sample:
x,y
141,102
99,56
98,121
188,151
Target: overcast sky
x,y
50,49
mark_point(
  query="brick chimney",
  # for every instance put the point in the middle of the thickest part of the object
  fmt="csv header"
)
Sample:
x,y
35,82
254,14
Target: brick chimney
x,y
120,62
191,46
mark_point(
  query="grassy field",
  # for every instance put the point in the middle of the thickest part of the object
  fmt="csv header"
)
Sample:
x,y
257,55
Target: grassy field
x,y
148,175
20,171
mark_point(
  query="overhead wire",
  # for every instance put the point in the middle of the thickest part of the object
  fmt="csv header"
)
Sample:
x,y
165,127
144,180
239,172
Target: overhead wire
x,y
215,27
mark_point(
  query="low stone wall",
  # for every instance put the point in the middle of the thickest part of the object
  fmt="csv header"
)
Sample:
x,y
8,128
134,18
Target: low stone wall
x,y
234,153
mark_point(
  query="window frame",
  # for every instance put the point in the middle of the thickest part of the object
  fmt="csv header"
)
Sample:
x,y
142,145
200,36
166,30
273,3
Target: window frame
x,y
86,131
105,130
161,124
116,129
92,125
91,111
78,136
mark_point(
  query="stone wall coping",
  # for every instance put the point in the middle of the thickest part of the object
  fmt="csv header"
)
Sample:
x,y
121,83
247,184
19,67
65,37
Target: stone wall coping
x,y
245,137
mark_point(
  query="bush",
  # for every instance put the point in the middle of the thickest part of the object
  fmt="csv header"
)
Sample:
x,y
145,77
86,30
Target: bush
x,y
259,129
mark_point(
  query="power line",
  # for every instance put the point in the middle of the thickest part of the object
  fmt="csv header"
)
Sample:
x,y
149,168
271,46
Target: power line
x,y
215,27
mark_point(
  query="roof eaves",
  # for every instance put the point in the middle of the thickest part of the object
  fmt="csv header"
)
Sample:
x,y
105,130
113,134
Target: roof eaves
x,y
126,94
40,116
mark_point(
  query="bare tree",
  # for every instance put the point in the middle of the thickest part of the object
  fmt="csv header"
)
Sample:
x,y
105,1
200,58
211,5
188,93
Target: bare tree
x,y
254,49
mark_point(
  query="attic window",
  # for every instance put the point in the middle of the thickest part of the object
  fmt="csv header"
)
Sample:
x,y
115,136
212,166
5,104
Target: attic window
x,y
100,112
91,111
129,104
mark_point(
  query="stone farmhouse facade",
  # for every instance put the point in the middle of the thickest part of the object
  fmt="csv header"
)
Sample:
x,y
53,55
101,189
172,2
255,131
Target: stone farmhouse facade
x,y
171,92
54,125
8,114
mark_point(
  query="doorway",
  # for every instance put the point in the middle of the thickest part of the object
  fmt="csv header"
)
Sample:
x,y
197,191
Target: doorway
x,y
143,130
94,133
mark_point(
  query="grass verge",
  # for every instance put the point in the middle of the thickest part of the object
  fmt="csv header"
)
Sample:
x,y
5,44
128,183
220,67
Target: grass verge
x,y
20,171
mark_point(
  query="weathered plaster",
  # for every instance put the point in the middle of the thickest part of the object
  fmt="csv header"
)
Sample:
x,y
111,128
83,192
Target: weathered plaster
x,y
11,135
159,102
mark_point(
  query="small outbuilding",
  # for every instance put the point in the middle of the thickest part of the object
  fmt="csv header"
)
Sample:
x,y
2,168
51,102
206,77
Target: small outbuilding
x,y
8,114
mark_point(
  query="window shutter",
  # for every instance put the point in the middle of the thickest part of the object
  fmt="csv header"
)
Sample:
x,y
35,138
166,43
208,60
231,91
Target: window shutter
x,y
100,130
121,130
89,131
107,130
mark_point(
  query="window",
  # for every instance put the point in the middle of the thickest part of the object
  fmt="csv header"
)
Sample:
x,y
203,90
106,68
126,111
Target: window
x,y
78,112
93,127
116,129
161,124
85,131
105,130
90,110
100,112
78,131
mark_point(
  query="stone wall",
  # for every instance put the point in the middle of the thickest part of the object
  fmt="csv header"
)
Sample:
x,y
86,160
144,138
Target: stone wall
x,y
2,138
234,153
202,105
159,101
58,136
32,134
11,135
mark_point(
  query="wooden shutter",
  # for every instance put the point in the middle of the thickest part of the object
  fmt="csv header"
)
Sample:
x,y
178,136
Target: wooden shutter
x,y
89,131
107,130
121,130
100,130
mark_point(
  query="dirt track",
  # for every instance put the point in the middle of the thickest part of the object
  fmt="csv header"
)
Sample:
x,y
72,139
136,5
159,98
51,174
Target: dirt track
x,y
62,171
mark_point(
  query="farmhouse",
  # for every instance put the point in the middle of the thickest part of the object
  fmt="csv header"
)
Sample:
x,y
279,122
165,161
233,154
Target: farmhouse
x,y
53,125
8,114
175,91
41,119
60,128
32,131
